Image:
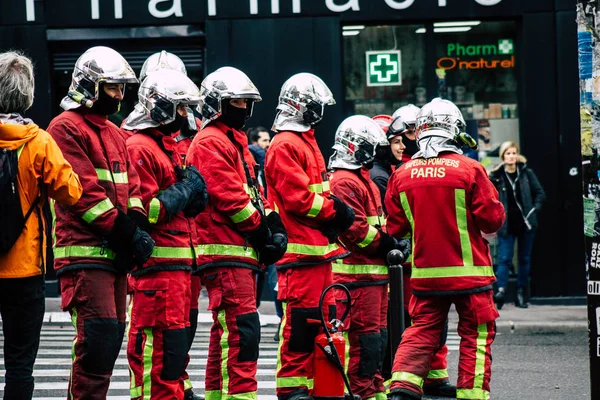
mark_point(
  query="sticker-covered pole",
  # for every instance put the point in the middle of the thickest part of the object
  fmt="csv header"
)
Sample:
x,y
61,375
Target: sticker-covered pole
x,y
588,26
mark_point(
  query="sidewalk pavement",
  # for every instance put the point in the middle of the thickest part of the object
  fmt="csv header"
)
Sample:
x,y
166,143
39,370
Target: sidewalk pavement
x,y
511,318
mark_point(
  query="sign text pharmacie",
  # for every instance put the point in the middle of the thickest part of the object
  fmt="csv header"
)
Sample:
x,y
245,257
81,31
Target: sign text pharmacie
x,y
480,56
161,9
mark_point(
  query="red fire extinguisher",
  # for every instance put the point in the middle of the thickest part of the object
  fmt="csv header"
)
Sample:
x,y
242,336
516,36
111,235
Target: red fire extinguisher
x,y
329,355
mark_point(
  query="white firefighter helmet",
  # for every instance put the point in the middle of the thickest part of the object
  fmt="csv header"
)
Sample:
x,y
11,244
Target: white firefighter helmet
x,y
224,84
408,114
162,60
160,94
440,118
302,101
356,140
96,66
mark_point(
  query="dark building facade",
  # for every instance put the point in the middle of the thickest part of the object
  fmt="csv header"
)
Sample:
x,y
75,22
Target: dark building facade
x,y
510,65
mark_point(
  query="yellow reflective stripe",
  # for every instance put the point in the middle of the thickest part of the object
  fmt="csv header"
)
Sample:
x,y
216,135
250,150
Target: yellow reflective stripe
x,y
316,206
83,251
409,217
478,394
134,392
90,215
438,374
244,214
187,385
463,230
281,328
357,269
346,351
240,396
481,351
224,351
147,368
276,207
296,381
309,250
371,233
375,220
173,252
226,250
380,396
154,211
408,377
268,211
53,226
115,177
319,187
451,272
134,202
19,151
247,190
212,395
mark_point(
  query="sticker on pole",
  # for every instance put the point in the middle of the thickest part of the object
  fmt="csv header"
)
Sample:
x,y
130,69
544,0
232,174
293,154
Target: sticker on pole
x,y
384,68
593,288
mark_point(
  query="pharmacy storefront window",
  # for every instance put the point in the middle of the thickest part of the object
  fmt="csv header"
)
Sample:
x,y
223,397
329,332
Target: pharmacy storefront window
x,y
384,68
476,69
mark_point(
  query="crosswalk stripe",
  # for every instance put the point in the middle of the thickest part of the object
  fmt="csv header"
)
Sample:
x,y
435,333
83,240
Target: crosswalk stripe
x,y
125,385
42,373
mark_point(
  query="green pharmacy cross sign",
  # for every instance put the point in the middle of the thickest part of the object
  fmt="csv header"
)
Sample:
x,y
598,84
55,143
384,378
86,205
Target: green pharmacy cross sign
x,y
384,68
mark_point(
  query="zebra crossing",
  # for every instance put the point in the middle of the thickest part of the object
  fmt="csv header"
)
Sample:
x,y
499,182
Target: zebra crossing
x,y
52,366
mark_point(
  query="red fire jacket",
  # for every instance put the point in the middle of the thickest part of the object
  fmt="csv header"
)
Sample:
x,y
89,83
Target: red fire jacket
x,y
446,202
297,185
230,214
176,237
356,189
183,143
96,149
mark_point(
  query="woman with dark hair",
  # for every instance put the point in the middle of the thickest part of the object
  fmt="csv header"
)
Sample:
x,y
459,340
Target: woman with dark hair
x,y
522,196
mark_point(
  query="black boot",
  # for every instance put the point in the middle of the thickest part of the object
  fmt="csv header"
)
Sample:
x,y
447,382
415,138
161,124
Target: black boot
x,y
520,301
403,394
440,389
189,395
298,395
499,298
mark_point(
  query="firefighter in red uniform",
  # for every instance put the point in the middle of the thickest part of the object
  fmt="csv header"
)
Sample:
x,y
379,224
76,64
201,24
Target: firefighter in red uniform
x,y
238,232
444,199
183,139
157,346
437,382
364,272
98,239
297,185
408,115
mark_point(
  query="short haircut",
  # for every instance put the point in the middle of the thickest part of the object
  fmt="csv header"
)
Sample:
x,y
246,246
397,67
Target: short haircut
x,y
505,146
16,82
253,133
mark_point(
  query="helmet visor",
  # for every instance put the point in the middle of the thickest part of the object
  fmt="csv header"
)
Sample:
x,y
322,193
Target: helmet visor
x,y
397,127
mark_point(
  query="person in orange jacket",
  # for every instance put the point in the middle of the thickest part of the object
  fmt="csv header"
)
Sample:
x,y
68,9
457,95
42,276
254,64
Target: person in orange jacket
x,y
445,198
239,233
36,167
183,139
387,159
172,196
364,271
297,184
99,239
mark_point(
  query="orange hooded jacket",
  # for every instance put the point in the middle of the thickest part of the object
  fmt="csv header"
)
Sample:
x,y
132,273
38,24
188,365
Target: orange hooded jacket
x,y
41,161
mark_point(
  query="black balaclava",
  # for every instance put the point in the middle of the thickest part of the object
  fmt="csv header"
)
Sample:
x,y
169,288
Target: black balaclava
x,y
384,155
174,126
234,117
411,146
105,105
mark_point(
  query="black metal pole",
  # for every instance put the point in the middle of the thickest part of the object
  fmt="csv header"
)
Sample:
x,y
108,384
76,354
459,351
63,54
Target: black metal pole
x,y
396,313
589,74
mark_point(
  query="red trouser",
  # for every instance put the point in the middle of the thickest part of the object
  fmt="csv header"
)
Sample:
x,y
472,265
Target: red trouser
x,y
439,363
196,287
299,291
234,335
476,328
157,345
96,300
365,344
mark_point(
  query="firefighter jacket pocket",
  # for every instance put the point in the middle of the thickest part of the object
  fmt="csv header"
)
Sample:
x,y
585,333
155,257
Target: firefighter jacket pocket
x,y
249,327
175,350
229,287
73,290
370,353
303,334
482,305
149,303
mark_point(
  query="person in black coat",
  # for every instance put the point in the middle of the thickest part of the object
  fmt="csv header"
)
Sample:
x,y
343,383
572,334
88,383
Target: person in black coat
x,y
522,196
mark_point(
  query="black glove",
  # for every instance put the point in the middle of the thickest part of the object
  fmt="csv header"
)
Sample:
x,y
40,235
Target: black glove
x,y
132,245
344,218
200,196
140,219
276,244
388,243
180,194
